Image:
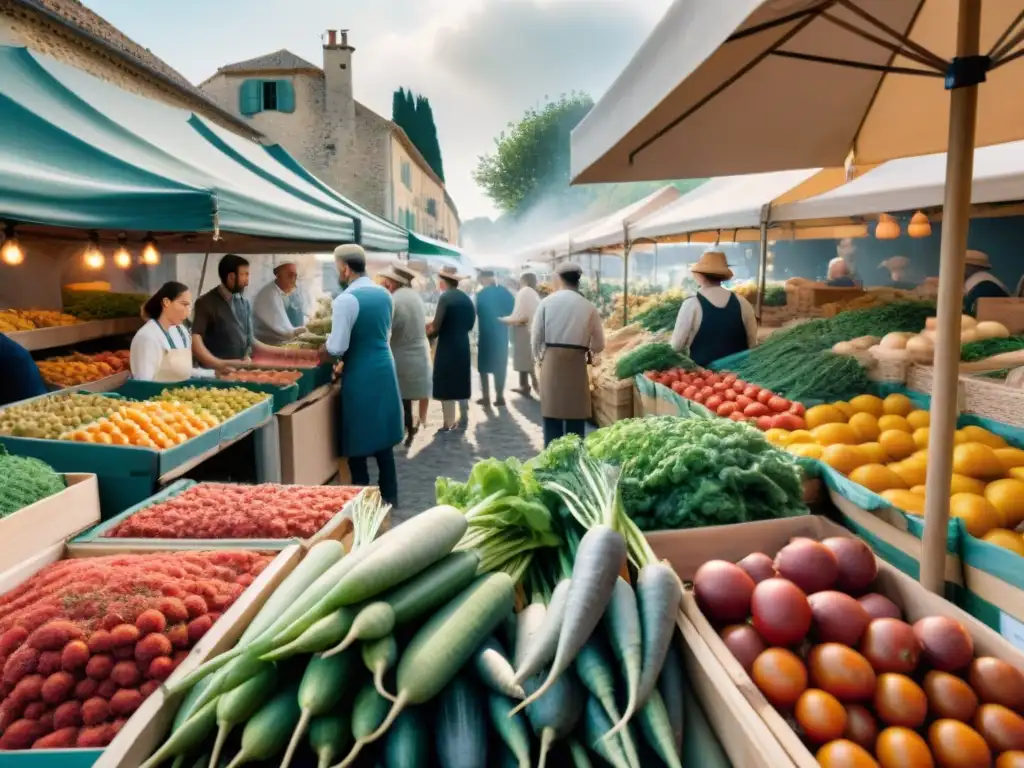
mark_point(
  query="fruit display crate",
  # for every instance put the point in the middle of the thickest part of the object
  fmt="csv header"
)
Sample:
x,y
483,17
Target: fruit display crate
x,y
688,550
153,715
310,379
144,390
69,335
338,528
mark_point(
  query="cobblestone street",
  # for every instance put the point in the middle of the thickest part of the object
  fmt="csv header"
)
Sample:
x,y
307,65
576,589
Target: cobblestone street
x,y
514,430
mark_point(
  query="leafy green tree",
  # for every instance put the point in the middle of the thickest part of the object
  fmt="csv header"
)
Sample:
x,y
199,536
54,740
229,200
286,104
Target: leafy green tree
x,y
414,115
531,157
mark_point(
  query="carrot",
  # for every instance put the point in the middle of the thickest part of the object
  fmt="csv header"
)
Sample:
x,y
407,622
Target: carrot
x,y
444,644
658,594
541,647
622,625
599,557
657,729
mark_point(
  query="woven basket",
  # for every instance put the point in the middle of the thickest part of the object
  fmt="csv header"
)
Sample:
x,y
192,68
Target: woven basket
x,y
889,371
775,317
983,397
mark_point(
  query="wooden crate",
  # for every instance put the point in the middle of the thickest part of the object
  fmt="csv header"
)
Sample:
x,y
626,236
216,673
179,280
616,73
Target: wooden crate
x,y
612,404
983,397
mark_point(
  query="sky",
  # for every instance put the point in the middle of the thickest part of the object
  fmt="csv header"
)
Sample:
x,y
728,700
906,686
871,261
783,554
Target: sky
x,y
482,63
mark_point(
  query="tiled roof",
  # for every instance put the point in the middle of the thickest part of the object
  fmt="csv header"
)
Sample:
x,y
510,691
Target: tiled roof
x,y
278,60
79,19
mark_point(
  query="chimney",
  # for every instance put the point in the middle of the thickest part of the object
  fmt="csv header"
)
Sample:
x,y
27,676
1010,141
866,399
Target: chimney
x,y
332,38
339,101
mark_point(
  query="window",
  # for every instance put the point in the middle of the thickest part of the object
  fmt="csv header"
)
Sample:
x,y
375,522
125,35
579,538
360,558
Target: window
x,y
407,174
401,217
266,96
432,207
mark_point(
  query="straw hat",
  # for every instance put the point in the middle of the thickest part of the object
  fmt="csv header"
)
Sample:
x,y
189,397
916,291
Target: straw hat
x,y
400,275
450,274
713,264
978,259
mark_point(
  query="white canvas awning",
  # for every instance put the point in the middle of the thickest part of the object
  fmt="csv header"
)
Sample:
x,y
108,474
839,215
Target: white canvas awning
x,y
914,183
610,231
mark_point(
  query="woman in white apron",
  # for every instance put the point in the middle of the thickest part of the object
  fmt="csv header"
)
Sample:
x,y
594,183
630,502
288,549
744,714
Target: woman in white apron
x,y
162,348
521,320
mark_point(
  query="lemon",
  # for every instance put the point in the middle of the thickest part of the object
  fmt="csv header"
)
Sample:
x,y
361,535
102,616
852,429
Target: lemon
x,y
866,426
978,514
843,458
823,414
805,450
921,435
868,404
977,460
889,421
918,489
963,484
829,434
1016,472
981,435
908,501
912,472
877,478
919,419
897,405
1007,496
777,436
875,453
897,443
844,408
800,436
1011,457
1005,539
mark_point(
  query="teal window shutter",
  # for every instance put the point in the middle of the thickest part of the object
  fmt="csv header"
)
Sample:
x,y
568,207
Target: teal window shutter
x,y
285,96
250,97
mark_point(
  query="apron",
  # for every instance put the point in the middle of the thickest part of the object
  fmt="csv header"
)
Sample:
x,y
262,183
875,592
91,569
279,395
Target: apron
x,y
176,364
522,352
293,308
721,331
492,303
564,384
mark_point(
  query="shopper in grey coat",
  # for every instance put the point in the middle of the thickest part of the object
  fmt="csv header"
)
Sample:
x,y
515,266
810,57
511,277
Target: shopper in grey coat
x,y
409,346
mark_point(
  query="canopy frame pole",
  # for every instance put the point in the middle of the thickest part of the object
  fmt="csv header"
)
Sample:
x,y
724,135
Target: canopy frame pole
x,y
655,278
202,275
625,275
762,260
963,114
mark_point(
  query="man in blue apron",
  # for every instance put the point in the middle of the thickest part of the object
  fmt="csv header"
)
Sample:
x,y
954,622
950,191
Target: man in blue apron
x,y
370,412
716,322
21,378
278,311
492,303
980,283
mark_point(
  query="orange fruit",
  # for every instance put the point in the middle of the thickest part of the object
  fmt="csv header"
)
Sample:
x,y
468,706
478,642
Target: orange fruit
x,y
897,443
919,419
868,404
806,450
823,414
877,478
908,501
875,453
963,484
976,460
844,408
829,434
777,436
921,435
899,747
918,489
912,471
844,458
897,404
981,435
978,514
887,422
1006,539
1007,496
1011,457
866,426
843,753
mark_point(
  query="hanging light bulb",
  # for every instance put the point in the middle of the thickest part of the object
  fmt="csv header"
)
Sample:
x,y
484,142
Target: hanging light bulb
x,y
150,254
10,251
887,228
122,258
919,225
93,257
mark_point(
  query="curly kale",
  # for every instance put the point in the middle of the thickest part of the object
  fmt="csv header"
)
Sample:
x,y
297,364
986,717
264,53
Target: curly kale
x,y
686,473
24,481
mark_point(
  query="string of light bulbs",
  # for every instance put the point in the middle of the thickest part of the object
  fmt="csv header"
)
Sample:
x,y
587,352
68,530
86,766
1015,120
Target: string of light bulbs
x,y
12,253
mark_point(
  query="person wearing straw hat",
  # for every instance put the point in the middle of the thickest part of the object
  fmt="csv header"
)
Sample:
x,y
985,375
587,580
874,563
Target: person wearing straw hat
x,y
409,346
897,268
453,321
716,322
521,320
279,309
493,303
566,333
980,283
370,409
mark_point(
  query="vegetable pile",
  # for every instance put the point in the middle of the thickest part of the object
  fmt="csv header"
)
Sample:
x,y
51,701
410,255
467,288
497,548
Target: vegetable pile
x,y
655,356
408,646
78,368
920,347
224,511
798,363
658,314
146,424
732,398
30,319
979,350
282,357
222,402
687,473
50,417
276,378
85,641
24,481
862,686
102,305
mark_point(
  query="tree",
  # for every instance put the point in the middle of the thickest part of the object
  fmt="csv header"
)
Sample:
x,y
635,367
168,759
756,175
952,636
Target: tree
x,y
531,157
414,115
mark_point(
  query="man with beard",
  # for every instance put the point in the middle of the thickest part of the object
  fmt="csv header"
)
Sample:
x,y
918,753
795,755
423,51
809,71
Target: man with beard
x,y
222,331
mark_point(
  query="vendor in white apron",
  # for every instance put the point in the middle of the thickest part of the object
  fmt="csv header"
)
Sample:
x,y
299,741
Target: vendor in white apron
x,y
521,320
980,283
567,332
162,348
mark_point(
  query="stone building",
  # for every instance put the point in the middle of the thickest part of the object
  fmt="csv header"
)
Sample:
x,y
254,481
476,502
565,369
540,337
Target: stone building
x,y
311,111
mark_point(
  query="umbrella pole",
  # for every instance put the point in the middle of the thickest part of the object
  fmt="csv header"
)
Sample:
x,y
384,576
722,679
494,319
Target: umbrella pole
x,y
963,110
625,276
762,263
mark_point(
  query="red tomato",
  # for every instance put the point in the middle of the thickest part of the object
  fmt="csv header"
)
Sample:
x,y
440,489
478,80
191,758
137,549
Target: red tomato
x,y
729,378
756,409
752,392
707,392
778,404
740,387
778,421
726,409
651,376
677,387
713,402
737,416
797,409
719,386
699,398
764,423
742,401
689,392
730,394
764,396
797,422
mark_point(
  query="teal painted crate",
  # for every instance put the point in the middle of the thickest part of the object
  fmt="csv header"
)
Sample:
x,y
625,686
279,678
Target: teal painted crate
x,y
249,419
144,390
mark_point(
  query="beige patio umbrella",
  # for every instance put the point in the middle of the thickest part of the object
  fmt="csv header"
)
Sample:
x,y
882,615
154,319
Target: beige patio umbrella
x,y
749,86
